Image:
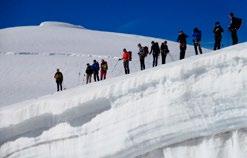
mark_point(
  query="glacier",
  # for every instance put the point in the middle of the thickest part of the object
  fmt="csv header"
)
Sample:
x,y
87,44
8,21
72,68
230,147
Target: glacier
x,y
192,108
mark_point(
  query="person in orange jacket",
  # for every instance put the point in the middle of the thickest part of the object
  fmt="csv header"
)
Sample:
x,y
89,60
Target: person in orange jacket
x,y
126,59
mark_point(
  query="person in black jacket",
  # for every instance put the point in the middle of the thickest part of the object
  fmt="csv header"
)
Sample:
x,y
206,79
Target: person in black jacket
x,y
59,80
164,51
155,49
143,52
182,44
218,30
89,72
233,28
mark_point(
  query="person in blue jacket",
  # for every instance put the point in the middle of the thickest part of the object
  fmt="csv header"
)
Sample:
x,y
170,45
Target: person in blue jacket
x,y
197,36
95,67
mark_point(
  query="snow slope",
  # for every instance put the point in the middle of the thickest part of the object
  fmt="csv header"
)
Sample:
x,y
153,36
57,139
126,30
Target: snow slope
x,y
30,55
191,108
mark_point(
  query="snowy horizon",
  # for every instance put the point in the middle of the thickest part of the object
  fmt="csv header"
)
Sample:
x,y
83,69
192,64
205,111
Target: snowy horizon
x,y
68,47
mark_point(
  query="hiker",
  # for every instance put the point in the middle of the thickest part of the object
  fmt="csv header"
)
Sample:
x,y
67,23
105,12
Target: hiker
x,y
95,67
103,69
155,49
143,51
197,36
59,80
234,27
164,51
182,43
218,30
126,58
89,72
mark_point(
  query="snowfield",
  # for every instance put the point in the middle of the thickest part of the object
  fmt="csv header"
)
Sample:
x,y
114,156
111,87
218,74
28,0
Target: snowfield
x,y
30,55
192,108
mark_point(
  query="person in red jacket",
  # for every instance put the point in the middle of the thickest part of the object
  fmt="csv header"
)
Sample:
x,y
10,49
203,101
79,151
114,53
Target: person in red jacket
x,y
126,59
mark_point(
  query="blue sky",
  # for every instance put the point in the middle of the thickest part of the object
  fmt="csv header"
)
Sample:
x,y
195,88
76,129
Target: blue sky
x,y
157,18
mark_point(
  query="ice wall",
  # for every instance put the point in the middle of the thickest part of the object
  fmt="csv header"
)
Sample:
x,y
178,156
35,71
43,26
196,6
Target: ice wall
x,y
232,144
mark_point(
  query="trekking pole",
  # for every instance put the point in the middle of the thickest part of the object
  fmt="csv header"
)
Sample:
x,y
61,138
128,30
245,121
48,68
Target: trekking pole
x,y
83,80
115,66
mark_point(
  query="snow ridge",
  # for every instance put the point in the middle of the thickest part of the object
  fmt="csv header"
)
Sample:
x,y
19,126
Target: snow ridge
x,y
137,113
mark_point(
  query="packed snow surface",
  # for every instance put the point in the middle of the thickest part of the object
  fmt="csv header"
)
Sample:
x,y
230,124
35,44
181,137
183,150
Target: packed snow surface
x,y
192,108
30,55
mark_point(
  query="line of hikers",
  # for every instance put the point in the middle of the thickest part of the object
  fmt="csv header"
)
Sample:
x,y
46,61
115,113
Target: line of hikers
x,y
235,24
93,70
156,50
143,52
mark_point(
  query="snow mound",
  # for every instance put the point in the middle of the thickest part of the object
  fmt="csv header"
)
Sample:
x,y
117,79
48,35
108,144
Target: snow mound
x,y
59,24
165,112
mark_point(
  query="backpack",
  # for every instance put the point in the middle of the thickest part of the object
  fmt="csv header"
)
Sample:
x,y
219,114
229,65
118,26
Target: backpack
x,y
58,76
145,50
130,55
104,66
238,23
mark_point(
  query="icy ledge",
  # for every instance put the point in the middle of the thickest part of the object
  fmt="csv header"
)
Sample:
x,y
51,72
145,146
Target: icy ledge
x,y
230,144
59,24
134,114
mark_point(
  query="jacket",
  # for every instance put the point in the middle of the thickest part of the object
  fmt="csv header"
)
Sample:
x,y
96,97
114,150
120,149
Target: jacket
x,y
197,35
95,66
218,31
125,56
89,70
